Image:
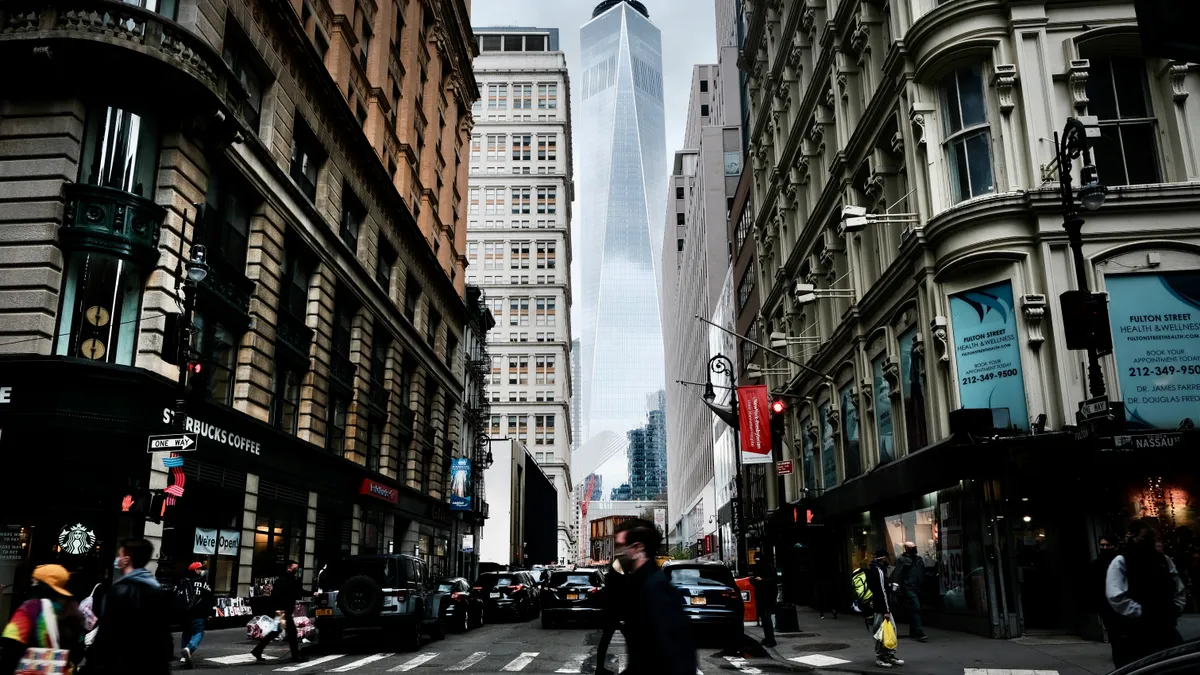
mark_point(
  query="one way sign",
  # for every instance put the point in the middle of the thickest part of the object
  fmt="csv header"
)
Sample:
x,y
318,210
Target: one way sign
x,y
171,443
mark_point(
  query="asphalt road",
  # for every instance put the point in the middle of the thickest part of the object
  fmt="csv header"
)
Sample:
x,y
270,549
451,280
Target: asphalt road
x,y
494,649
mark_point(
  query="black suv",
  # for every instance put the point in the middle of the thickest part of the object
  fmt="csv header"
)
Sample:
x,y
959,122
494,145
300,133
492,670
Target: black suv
x,y
508,592
710,596
578,594
391,593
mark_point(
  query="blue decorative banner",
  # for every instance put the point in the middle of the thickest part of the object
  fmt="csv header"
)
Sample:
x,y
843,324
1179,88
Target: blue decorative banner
x,y
460,484
810,465
883,411
828,461
1156,341
850,457
987,351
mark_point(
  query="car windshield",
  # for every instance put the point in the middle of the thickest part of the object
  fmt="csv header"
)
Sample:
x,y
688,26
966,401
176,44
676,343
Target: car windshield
x,y
709,575
570,579
497,580
445,588
387,572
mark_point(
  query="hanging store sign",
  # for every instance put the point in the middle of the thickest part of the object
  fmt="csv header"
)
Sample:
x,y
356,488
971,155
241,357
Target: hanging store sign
x,y
783,468
987,351
754,423
228,542
460,484
379,491
76,539
1156,341
205,542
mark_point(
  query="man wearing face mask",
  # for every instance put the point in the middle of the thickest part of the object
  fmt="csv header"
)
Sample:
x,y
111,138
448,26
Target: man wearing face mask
x,y
1145,591
197,602
284,593
134,635
657,637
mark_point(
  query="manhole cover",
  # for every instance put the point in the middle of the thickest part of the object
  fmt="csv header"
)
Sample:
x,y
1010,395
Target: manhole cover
x,y
820,647
799,636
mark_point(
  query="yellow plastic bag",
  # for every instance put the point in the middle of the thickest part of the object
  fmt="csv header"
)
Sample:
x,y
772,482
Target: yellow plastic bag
x,y
889,634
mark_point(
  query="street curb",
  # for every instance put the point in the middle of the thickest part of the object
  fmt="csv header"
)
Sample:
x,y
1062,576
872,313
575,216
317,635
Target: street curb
x,y
846,669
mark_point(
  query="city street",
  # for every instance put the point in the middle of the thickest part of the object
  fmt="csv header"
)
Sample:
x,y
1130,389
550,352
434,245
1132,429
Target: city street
x,y
494,649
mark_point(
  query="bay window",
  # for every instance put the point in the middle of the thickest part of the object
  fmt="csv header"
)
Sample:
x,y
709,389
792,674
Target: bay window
x,y
101,304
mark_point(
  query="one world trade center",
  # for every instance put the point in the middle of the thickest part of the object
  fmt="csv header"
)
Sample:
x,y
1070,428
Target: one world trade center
x,y
622,151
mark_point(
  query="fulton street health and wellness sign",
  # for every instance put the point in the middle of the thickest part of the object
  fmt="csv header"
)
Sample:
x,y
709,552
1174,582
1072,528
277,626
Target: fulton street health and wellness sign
x,y
988,351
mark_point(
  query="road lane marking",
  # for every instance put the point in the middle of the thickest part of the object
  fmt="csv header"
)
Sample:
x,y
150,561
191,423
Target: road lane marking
x,y
520,662
359,663
409,665
469,661
743,665
818,660
308,664
236,659
573,664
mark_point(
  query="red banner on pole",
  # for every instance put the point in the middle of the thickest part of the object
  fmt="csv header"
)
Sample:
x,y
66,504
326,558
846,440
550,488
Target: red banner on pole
x,y
754,419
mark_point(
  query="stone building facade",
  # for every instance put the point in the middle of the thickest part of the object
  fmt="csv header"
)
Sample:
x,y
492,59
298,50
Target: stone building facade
x,y
938,121
317,149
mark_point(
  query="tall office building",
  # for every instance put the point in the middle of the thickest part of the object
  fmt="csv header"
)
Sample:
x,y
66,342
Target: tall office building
x,y
647,453
519,246
623,176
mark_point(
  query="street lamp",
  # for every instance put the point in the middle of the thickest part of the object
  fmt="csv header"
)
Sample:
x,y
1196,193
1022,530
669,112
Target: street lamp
x,y
856,218
806,293
1075,142
721,365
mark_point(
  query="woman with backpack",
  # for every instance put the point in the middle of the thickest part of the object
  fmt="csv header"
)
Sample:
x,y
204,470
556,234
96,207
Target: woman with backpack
x,y
45,634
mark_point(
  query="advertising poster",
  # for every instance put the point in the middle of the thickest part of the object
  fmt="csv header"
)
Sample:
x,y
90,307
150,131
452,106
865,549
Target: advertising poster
x,y
883,411
828,461
988,351
810,464
460,484
754,424
849,430
1156,341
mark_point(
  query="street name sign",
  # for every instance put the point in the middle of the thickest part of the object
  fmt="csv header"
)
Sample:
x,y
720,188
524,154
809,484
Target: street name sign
x,y
181,442
783,468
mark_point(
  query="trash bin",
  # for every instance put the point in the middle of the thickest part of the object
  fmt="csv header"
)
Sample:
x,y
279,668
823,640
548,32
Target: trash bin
x,y
786,620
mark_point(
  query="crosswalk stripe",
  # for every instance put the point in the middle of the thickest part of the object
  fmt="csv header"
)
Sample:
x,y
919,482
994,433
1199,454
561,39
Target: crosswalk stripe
x,y
359,663
235,659
743,665
469,661
308,664
409,665
573,665
520,662
818,660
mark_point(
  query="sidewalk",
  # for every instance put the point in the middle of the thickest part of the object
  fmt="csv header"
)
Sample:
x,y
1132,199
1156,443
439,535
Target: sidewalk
x,y
844,645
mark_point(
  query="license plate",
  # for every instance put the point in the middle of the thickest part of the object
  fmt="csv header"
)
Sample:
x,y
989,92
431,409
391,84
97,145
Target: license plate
x,y
699,601
493,595
325,612
572,596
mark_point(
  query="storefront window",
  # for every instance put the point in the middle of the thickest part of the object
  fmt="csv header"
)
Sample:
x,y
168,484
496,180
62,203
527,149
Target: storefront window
x,y
810,464
912,389
278,538
372,533
120,151
962,580
102,299
883,411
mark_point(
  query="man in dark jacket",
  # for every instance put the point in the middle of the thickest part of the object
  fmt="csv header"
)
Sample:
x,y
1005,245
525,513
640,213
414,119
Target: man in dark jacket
x,y
907,580
1095,596
134,633
1144,589
612,615
765,590
657,637
197,596
284,593
877,583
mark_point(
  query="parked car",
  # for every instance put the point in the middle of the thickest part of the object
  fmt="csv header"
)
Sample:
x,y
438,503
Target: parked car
x,y
710,596
458,608
391,593
1181,660
568,596
508,593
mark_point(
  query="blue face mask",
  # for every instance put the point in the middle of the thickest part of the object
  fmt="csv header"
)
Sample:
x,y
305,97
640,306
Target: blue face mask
x,y
117,573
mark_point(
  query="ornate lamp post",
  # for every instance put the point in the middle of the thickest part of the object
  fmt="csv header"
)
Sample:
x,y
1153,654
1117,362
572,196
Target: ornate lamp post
x,y
721,365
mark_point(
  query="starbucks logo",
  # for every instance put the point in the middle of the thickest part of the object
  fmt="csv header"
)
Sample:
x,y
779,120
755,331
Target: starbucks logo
x,y
76,539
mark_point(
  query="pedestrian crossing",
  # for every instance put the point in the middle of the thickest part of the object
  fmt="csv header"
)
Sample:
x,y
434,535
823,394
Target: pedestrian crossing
x,y
482,662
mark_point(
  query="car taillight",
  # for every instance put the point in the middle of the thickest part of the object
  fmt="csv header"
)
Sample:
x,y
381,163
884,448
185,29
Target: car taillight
x,y
459,596
401,596
516,588
477,588
729,593
593,590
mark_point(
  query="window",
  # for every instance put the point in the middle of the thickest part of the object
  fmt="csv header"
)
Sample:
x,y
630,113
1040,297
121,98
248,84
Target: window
x,y
307,157
1119,96
473,201
546,255
968,138
412,295
521,147
375,443
703,85
745,288
680,219
520,201
704,110
217,346
451,347
353,215
385,260
547,200
101,304
548,147
744,223
548,96
497,97
433,326
472,250
544,373
518,427
543,432
493,201
242,59
678,192
545,312
495,147
285,409
494,429
496,307
226,219
522,97
493,255
518,369
518,312
364,44
120,151
519,260
297,271
476,147
335,437
497,364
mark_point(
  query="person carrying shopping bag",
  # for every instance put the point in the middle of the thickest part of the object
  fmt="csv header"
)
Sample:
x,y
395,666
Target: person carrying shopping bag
x,y
45,634
885,656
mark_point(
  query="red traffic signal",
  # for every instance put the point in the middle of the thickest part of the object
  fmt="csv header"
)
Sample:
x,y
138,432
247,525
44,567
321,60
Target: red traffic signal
x,y
777,406
195,367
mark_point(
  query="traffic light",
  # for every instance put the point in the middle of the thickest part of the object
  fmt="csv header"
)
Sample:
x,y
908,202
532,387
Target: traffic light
x,y
1085,321
171,350
778,408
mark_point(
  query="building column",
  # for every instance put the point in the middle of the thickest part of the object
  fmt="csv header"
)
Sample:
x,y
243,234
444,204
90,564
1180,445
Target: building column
x,y
355,529
246,552
310,541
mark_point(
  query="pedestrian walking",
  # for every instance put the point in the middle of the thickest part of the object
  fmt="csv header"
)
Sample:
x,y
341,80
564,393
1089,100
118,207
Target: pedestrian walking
x,y
1144,589
193,601
765,590
284,594
657,636
907,580
134,632
1096,596
48,620
881,607
827,584
611,615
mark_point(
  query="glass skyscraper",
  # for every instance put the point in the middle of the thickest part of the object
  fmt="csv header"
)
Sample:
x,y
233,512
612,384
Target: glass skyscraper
x,y
622,149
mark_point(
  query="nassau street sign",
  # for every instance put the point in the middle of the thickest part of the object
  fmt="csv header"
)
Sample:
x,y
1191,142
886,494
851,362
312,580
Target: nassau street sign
x,y
171,443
